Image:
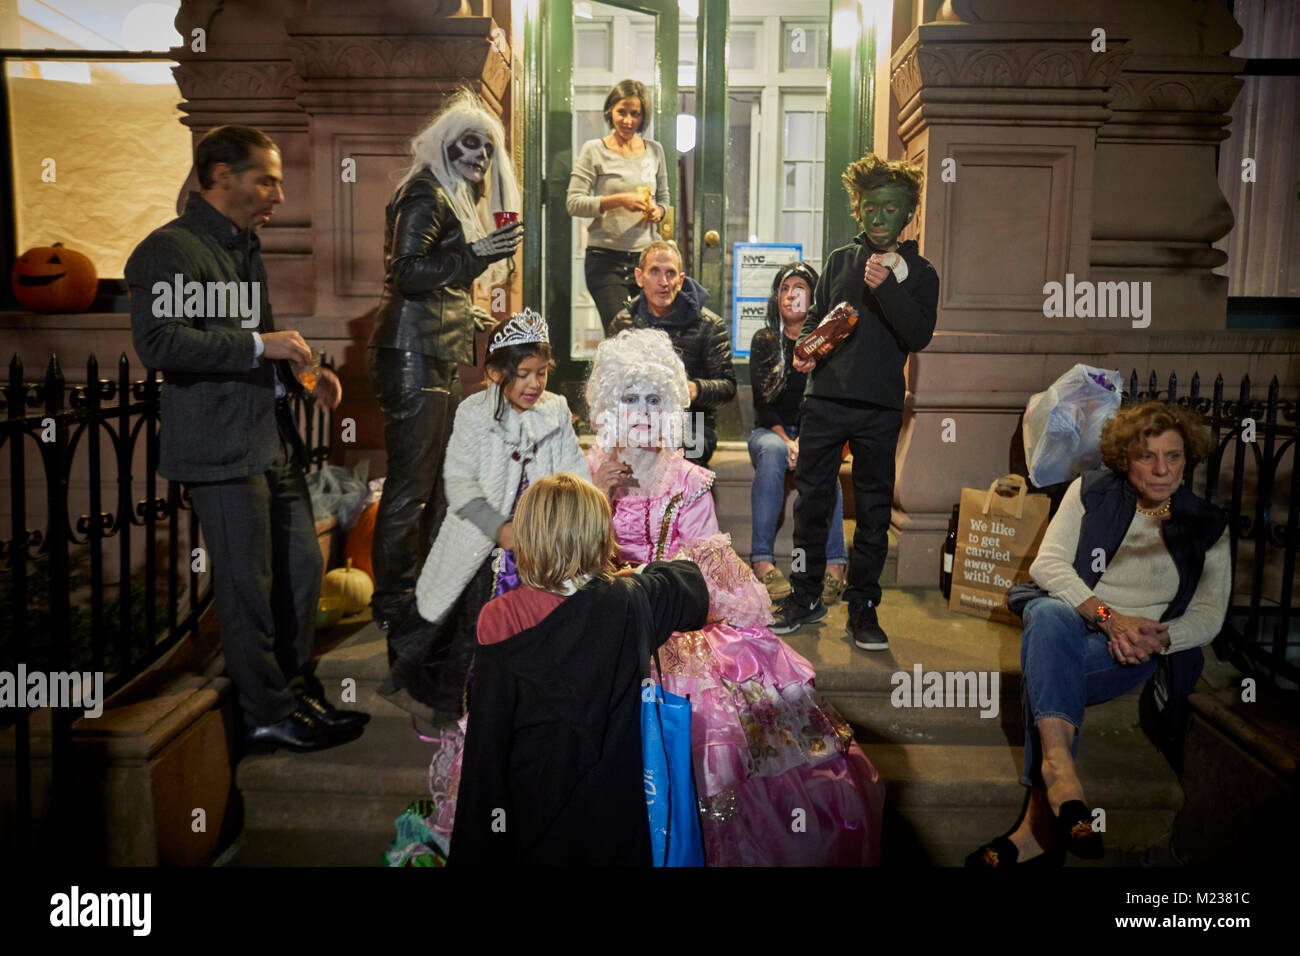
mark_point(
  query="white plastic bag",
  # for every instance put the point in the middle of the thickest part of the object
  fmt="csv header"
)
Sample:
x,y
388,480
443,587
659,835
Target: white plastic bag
x,y
1062,430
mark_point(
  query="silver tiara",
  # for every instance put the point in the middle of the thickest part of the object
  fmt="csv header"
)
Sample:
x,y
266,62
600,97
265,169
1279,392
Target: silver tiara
x,y
524,328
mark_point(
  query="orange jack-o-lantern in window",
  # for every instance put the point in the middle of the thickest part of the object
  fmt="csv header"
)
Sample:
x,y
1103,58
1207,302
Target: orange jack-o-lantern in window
x,y
54,279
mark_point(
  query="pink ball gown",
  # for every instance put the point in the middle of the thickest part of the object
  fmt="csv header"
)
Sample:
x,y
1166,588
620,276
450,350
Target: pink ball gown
x,y
779,778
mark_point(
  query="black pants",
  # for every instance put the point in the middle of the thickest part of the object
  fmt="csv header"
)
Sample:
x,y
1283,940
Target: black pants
x,y
417,425
610,280
872,434
266,566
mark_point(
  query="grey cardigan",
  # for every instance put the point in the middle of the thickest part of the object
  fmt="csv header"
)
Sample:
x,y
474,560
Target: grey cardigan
x,y
597,172
217,413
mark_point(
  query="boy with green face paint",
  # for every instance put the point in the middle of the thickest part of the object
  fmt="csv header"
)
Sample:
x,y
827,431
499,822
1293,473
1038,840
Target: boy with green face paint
x,y
855,393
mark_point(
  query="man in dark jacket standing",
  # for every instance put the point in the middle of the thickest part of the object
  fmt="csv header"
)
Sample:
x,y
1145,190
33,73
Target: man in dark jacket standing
x,y
674,303
228,434
856,393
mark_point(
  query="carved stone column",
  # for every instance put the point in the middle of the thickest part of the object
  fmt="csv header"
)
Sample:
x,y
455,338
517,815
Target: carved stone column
x,y
369,76
238,71
1079,142
366,84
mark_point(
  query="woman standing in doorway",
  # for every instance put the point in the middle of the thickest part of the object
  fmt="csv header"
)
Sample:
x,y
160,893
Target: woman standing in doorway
x,y
620,182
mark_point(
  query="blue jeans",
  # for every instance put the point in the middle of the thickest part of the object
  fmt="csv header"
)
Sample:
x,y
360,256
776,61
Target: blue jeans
x,y
1064,667
771,460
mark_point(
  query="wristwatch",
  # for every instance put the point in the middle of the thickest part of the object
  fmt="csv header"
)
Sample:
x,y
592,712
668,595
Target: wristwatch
x,y
1100,615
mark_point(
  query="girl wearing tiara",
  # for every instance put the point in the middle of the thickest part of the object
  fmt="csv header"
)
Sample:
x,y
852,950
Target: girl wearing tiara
x,y
511,433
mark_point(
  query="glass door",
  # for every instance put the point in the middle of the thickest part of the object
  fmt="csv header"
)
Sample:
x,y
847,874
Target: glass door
x,y
589,46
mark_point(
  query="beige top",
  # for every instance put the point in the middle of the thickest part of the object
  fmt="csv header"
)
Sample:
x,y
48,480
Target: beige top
x,y
1140,580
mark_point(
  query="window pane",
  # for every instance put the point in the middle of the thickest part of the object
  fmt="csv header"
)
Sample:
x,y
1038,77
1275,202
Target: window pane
x,y
803,46
106,110
819,182
795,227
799,135
743,51
687,52
819,142
644,54
591,47
798,186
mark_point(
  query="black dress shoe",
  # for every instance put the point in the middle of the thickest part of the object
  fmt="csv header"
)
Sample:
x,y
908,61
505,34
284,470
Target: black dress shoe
x,y
299,731
331,716
1074,831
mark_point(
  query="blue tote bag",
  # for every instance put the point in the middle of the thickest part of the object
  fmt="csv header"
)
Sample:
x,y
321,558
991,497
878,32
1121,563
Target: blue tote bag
x,y
675,837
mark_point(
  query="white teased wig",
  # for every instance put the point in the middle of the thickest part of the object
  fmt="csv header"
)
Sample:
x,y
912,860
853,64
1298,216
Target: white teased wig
x,y
630,357
464,112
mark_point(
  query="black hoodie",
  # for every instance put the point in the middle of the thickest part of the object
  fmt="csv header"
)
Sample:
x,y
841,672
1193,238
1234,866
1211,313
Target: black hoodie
x,y
895,319
552,772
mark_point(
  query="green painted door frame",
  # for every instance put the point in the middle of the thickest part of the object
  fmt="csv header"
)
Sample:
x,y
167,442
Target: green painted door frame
x,y
710,183
548,158
548,134
850,92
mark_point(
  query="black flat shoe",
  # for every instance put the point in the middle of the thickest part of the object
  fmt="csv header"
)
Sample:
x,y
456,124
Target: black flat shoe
x,y
299,732
1074,831
331,716
1000,854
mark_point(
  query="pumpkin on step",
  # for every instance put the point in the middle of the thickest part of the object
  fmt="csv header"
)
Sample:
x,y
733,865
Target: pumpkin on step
x,y
54,279
350,584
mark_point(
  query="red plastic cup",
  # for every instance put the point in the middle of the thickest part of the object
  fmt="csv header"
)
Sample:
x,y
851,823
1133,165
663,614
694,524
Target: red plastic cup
x,y
505,218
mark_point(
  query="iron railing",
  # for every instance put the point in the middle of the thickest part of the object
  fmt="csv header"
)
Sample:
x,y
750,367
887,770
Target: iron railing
x,y
53,579
1250,431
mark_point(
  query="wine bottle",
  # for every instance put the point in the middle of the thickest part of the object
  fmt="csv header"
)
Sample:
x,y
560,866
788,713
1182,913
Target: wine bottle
x,y
949,555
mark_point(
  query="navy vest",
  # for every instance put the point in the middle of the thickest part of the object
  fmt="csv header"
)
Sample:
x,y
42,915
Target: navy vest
x,y
1192,528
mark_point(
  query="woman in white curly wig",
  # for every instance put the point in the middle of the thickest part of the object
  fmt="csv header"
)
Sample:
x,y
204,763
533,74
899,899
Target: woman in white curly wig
x,y
764,743
439,238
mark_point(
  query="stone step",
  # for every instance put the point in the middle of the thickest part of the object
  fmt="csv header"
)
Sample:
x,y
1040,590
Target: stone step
x,y
363,784
306,847
944,800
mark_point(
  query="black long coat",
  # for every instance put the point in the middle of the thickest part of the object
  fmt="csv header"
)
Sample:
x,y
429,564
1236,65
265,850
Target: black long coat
x,y
552,771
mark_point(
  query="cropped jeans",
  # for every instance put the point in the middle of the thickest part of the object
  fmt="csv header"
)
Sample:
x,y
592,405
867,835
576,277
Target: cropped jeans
x,y
1065,667
771,460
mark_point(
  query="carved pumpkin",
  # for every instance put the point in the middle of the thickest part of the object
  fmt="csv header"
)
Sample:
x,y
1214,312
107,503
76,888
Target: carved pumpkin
x,y
352,585
54,279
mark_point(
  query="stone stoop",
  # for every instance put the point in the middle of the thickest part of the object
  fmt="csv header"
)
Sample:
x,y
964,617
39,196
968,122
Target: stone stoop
x,y
336,807
951,776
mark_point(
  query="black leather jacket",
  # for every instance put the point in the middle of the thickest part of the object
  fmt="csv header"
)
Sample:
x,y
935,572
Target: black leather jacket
x,y
700,338
429,271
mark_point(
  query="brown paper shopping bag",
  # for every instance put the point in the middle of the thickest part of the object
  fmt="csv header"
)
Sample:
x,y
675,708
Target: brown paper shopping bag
x,y
998,534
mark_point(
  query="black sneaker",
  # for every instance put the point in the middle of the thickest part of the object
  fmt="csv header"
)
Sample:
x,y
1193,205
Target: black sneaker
x,y
791,613
865,629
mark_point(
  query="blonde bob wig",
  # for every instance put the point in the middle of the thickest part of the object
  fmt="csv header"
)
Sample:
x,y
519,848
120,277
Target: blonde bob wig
x,y
563,532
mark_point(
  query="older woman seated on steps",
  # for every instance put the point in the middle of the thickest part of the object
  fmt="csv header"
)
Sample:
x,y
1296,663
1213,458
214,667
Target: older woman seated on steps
x,y
1132,578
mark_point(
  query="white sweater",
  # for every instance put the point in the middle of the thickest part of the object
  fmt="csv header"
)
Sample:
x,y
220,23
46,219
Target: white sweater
x,y
1140,580
479,463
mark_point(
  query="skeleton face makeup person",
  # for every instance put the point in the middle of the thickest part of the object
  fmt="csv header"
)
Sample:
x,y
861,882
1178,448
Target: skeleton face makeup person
x,y
471,155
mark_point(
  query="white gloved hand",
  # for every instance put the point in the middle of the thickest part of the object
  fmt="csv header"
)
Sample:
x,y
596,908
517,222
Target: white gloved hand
x,y
894,263
500,244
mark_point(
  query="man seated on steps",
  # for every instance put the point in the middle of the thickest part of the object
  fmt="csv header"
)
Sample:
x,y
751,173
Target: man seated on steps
x,y
674,302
